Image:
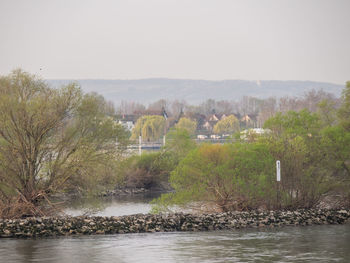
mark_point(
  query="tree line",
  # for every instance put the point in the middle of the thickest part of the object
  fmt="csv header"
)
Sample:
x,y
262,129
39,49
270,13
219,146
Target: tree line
x,y
61,140
261,109
214,117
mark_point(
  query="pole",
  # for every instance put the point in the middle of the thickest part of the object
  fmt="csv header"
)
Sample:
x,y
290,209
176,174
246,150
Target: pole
x,y
140,145
278,179
165,128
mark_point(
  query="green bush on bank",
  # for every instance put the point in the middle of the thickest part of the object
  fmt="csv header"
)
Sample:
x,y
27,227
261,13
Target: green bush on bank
x,y
230,177
296,141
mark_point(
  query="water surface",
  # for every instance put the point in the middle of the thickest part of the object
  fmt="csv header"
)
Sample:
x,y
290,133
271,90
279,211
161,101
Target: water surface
x,y
112,206
286,244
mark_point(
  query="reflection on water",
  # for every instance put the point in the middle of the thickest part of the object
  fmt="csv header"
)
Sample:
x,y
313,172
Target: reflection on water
x,y
113,206
288,244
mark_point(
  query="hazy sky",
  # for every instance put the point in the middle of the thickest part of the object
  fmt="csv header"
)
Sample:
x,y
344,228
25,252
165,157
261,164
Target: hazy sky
x,y
198,39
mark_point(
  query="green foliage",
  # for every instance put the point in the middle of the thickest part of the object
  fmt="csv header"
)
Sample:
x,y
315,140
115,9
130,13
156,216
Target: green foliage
x,y
344,111
187,124
51,139
303,123
297,142
327,113
237,176
335,142
149,127
179,143
150,170
228,125
314,150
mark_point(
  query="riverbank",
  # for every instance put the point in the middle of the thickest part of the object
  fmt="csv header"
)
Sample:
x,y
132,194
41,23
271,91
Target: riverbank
x,y
62,226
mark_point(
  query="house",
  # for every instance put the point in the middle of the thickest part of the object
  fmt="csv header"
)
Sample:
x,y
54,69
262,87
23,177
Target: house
x,y
208,125
199,118
223,116
246,118
212,119
128,121
248,121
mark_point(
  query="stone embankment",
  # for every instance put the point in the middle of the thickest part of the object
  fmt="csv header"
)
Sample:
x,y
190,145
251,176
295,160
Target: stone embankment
x,y
61,226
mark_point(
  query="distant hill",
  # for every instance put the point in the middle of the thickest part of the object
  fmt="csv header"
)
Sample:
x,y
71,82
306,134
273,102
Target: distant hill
x,y
196,91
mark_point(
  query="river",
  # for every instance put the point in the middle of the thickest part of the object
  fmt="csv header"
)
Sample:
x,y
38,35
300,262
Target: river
x,y
327,243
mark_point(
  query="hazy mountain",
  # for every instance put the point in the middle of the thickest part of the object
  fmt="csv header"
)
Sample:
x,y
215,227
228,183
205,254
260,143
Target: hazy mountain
x,y
196,91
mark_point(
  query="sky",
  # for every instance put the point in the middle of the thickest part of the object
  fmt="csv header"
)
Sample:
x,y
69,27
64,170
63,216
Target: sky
x,y
192,39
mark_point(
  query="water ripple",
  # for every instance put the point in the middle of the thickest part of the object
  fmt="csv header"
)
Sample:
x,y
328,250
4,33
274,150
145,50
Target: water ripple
x,y
288,244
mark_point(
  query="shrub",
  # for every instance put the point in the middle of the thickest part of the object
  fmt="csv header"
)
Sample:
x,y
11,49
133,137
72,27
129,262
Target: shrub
x,y
296,140
232,177
150,170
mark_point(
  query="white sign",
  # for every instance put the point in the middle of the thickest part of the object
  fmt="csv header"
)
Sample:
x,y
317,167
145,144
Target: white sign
x,y
140,145
278,169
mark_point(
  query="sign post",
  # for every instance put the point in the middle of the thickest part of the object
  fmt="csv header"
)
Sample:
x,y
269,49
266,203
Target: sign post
x,y
278,179
278,170
165,115
140,145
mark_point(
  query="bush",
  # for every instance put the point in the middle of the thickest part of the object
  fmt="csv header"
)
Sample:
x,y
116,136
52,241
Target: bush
x,y
298,142
232,177
150,170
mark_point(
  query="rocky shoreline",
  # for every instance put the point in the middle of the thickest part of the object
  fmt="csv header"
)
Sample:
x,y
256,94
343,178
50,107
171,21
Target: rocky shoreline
x,y
139,223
